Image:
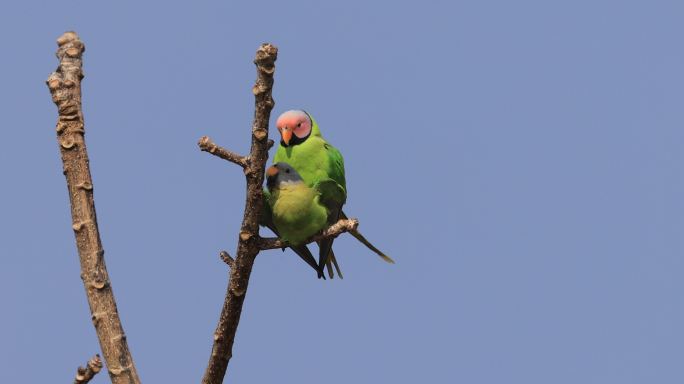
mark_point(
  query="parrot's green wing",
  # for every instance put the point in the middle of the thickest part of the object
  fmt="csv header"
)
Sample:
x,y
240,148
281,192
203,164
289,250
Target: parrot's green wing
x,y
321,166
266,220
336,167
266,216
332,196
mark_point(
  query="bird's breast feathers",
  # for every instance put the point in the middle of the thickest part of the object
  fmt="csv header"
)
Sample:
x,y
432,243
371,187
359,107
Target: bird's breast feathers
x,y
294,199
297,213
308,158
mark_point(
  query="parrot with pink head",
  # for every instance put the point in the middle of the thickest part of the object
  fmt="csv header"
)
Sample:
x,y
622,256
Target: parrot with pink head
x,y
321,167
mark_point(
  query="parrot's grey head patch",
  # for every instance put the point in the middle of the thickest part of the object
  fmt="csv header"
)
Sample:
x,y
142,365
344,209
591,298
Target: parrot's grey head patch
x,y
285,174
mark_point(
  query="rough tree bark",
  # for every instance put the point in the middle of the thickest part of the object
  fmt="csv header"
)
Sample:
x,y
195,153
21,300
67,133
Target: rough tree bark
x,y
65,87
249,241
253,166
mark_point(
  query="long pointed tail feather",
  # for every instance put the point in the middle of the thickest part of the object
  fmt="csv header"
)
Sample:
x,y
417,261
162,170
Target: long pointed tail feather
x,y
370,246
367,243
305,254
333,259
301,250
331,274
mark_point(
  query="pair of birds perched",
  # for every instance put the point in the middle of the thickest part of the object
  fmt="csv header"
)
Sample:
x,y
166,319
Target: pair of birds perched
x,y
306,190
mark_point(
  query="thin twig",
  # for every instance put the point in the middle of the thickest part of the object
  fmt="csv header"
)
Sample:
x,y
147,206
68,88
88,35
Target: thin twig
x,y
85,374
225,256
207,145
65,87
334,230
249,231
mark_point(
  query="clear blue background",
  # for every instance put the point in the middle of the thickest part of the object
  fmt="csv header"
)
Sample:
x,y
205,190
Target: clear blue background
x,y
522,161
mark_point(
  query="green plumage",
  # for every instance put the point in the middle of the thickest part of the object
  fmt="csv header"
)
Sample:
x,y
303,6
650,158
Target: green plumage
x,y
321,166
315,160
297,212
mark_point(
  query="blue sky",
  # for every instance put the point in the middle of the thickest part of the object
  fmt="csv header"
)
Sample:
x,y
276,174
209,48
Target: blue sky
x,y
521,161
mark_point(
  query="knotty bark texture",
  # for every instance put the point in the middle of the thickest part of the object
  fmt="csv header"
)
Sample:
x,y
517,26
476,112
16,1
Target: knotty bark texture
x,y
249,241
247,249
65,87
85,374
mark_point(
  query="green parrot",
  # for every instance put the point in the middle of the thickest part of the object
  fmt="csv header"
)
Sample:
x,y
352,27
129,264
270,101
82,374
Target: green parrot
x,y
266,220
295,211
321,167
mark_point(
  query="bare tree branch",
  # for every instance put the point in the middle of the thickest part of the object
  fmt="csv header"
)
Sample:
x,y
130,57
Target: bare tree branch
x,y
342,226
85,374
248,247
65,87
250,243
206,144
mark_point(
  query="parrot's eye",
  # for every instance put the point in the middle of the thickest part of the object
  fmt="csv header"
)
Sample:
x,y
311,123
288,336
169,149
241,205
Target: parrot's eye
x,y
299,125
287,171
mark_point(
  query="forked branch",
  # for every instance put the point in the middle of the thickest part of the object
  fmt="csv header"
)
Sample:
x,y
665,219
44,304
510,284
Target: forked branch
x,y
241,266
249,241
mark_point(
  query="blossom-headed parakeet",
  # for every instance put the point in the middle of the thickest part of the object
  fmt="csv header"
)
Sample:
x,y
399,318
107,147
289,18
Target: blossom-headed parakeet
x,y
320,164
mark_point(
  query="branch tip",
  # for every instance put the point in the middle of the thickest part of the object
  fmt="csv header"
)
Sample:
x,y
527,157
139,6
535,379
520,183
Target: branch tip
x,y
247,250
65,87
227,258
67,37
207,145
266,56
85,374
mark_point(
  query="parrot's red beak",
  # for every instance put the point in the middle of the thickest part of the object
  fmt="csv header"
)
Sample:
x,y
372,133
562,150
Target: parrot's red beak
x,y
272,171
286,134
